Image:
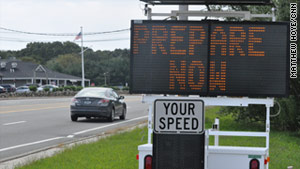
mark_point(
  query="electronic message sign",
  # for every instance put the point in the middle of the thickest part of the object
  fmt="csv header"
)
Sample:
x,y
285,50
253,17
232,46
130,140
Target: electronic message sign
x,y
209,58
174,2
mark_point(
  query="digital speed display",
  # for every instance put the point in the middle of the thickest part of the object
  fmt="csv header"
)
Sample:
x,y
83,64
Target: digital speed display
x,y
209,58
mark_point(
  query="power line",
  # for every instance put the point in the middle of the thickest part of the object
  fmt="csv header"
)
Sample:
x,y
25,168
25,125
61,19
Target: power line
x,y
7,39
65,34
104,40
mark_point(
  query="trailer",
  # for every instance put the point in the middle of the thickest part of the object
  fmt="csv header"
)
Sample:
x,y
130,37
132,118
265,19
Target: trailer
x,y
216,156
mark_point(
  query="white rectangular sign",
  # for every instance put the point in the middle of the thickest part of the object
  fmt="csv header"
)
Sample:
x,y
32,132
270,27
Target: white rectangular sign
x,y
178,116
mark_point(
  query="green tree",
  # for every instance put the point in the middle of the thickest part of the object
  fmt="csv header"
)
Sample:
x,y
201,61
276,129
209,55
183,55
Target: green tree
x,y
289,118
7,54
114,63
41,53
67,63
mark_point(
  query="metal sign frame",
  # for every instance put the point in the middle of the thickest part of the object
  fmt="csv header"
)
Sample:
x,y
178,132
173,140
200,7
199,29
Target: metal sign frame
x,y
218,101
208,2
214,101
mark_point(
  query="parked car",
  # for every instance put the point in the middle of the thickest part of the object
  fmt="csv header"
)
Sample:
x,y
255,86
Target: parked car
x,y
22,89
98,102
50,87
32,84
9,87
2,89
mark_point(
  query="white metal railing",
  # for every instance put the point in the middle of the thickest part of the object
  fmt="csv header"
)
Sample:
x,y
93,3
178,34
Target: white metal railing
x,y
220,14
237,133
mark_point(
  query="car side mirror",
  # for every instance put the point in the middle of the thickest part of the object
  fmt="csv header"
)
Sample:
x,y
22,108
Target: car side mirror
x,y
121,97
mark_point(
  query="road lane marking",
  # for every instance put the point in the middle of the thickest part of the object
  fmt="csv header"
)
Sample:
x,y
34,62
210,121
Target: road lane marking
x,y
69,136
133,100
44,104
17,122
30,144
97,128
23,110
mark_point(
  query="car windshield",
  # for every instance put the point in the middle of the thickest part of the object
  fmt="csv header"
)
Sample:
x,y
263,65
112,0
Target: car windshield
x,y
92,93
23,87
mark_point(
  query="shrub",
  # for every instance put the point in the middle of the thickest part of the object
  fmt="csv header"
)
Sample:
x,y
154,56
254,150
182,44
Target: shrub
x,y
46,89
287,120
115,87
78,88
33,88
289,117
126,88
60,89
73,88
67,88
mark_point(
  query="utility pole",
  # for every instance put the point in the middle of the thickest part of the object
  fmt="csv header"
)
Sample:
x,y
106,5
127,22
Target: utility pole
x,y
105,76
105,79
82,58
183,8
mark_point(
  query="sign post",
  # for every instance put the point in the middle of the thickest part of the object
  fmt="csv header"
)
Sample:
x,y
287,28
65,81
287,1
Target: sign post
x,y
178,137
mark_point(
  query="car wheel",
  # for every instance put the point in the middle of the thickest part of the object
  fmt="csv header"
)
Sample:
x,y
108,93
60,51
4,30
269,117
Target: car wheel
x,y
74,118
112,115
123,114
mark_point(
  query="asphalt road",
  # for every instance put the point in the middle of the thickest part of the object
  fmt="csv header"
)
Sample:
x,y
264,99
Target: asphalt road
x,y
28,125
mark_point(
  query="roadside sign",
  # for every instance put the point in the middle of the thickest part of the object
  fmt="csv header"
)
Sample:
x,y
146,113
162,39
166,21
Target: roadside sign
x,y
178,138
209,58
179,116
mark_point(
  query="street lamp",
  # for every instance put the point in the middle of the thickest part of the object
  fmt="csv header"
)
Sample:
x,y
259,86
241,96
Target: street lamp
x,y
105,74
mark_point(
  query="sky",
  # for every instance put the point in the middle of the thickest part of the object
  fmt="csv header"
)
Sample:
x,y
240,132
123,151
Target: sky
x,y
67,16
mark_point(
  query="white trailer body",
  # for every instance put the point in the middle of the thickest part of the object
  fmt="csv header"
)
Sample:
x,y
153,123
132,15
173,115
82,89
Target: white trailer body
x,y
221,157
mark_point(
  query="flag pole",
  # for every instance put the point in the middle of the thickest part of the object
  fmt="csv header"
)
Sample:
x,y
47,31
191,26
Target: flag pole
x,y
82,58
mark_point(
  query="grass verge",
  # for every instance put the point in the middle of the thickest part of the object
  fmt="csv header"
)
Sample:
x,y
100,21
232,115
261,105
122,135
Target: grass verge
x,y
119,151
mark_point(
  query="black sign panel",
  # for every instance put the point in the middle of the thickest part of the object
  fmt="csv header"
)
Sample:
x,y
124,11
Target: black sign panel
x,y
178,151
174,2
209,58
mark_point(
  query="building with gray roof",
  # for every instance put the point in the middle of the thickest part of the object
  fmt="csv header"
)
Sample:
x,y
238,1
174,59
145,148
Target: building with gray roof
x,y
19,73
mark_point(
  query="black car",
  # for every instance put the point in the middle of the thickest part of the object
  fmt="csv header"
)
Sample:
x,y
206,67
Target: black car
x,y
9,87
98,102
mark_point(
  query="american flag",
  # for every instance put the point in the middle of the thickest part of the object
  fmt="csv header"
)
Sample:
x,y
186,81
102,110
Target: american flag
x,y
78,36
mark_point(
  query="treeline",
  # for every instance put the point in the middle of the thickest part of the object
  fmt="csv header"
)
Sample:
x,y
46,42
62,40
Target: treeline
x,y
285,115
100,66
